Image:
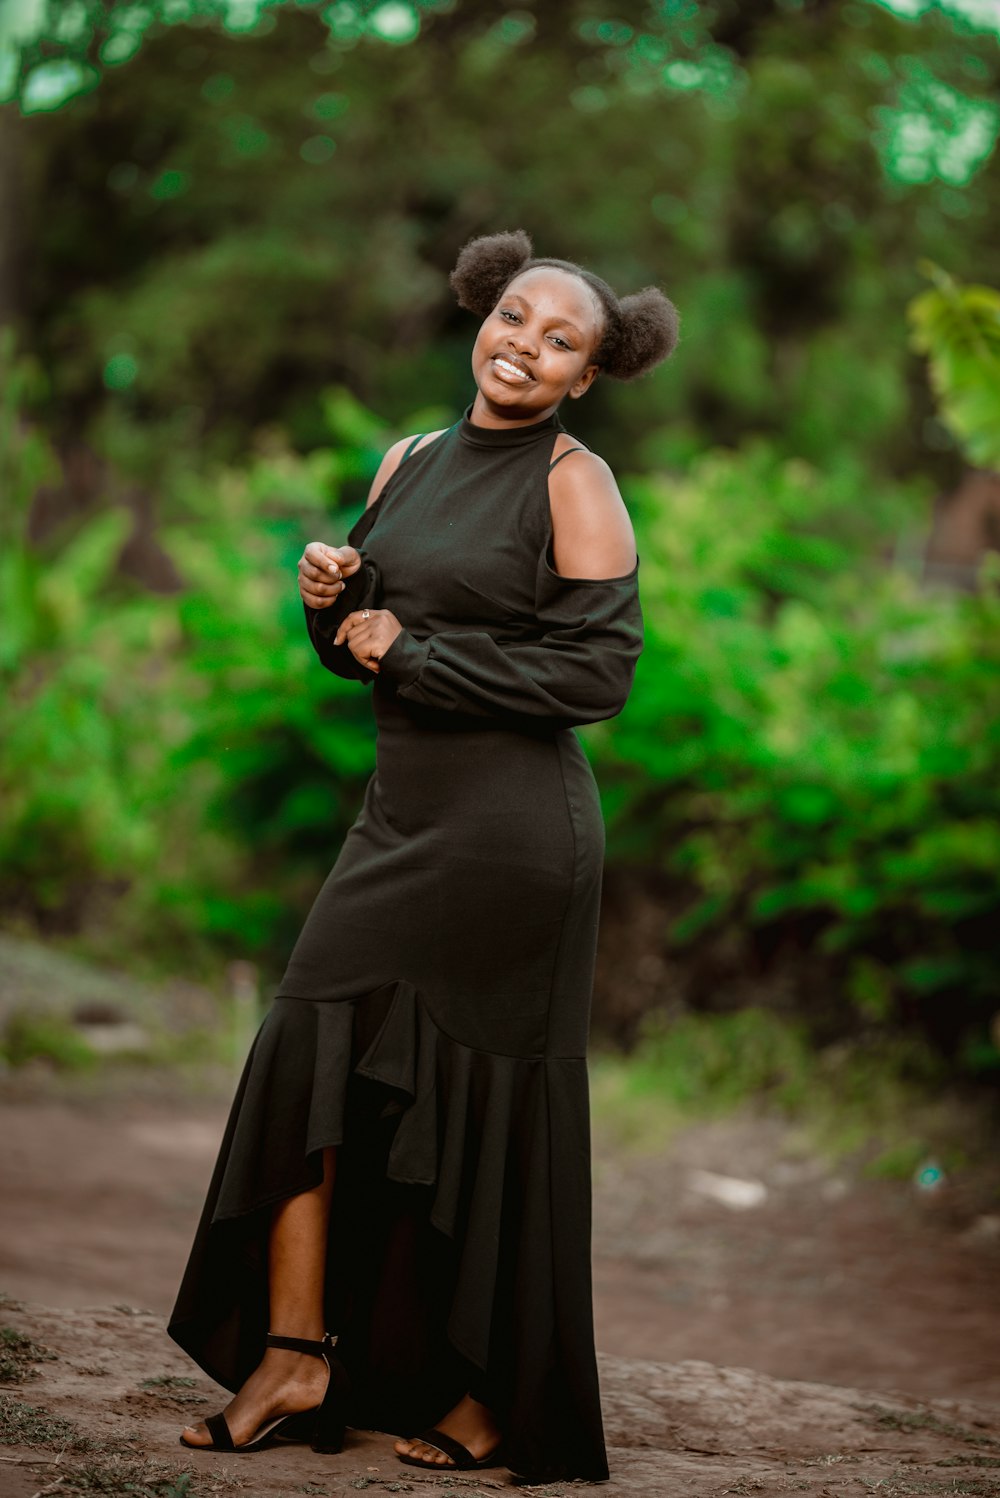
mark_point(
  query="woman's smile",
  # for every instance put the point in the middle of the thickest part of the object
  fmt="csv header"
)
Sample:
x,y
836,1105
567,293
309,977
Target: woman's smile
x,y
511,369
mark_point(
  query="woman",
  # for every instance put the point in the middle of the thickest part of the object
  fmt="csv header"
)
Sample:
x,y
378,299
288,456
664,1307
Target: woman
x,y
407,1160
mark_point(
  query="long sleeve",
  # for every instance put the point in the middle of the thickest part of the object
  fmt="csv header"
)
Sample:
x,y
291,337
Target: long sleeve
x,y
577,668
360,591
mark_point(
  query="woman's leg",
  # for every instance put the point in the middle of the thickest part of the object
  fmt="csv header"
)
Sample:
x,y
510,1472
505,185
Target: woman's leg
x,y
285,1382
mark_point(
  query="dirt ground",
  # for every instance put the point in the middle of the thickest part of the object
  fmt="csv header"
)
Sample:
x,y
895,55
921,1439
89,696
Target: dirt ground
x,y
766,1324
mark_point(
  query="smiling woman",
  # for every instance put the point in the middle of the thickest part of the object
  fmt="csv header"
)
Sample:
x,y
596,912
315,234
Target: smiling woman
x,y
408,1156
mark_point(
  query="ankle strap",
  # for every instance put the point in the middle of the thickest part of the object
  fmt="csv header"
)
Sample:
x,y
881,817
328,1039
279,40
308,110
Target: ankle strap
x,y
301,1344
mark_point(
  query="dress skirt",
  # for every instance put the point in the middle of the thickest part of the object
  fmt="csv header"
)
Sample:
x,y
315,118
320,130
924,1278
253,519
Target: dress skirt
x,y
459,1249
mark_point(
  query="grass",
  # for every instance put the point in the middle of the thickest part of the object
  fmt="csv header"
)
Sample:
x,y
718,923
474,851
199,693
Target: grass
x,y
135,1477
53,995
901,1485
471,1487
174,1389
18,1356
28,1425
55,1041
106,1467
881,1100
45,1037
913,1420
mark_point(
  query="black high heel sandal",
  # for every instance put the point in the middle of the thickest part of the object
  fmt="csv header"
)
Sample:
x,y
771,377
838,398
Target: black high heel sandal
x,y
462,1459
322,1427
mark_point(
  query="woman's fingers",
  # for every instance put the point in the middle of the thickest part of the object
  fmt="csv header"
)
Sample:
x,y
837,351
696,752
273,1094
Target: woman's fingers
x,y
351,623
322,570
317,573
324,558
316,600
368,634
318,583
325,590
356,631
318,595
339,561
319,579
346,558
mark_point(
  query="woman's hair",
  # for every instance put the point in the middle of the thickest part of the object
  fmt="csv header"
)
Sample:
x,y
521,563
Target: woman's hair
x,y
640,331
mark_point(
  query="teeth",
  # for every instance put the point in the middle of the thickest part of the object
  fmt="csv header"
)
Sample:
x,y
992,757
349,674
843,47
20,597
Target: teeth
x,y
511,369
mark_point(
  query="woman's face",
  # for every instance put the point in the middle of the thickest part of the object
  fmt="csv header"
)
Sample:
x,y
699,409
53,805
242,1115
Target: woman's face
x,y
536,346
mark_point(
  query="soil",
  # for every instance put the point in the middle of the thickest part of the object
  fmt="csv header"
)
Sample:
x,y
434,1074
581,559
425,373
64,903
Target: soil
x,y
830,1335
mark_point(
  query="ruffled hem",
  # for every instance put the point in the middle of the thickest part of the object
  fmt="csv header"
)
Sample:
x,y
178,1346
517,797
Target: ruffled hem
x,y
488,1152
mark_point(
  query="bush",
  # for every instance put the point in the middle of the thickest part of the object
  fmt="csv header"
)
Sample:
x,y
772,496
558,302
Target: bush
x,y
173,768
812,749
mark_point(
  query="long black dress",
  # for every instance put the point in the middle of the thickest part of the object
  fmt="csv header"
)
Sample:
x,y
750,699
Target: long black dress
x,y
433,1017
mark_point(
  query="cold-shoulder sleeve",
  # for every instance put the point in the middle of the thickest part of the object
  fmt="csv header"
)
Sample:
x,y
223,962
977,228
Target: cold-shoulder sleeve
x,y
577,668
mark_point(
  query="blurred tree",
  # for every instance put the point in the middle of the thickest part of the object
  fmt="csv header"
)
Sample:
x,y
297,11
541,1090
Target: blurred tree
x,y
268,198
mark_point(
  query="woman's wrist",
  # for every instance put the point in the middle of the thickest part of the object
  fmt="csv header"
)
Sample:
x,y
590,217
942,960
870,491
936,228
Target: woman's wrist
x,y
405,659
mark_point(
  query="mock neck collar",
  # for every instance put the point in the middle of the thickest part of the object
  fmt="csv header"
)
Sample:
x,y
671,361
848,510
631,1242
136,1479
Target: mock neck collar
x,y
512,436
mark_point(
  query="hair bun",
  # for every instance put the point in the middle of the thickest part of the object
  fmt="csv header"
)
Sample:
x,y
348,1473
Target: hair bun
x,y
485,266
646,333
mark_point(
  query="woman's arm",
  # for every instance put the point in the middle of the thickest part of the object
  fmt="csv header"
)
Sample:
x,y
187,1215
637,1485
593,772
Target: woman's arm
x,y
336,580
327,633
324,569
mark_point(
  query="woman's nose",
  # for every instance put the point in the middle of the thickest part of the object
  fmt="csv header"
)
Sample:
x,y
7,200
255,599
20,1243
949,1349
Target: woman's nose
x,y
521,341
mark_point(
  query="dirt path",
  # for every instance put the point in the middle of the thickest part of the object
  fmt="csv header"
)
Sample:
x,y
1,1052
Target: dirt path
x,y
825,1279
93,1420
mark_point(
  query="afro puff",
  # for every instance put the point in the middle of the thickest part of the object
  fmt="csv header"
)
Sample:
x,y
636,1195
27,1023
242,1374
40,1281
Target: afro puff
x,y
640,331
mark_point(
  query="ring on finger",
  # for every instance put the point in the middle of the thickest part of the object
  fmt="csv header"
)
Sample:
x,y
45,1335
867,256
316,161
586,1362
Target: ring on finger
x,y
366,613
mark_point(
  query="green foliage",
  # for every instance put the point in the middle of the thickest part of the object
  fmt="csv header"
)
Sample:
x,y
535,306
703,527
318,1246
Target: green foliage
x,y
709,1065
878,1099
958,328
811,750
238,231
75,702
143,736
29,1037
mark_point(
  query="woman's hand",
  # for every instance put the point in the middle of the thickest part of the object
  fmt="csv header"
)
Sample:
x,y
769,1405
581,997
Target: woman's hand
x,y
322,569
368,634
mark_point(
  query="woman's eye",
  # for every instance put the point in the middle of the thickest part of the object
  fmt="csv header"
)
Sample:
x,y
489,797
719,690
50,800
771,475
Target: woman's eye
x,y
561,342
510,316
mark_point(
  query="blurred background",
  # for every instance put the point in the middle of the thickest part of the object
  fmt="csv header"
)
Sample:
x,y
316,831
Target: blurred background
x,y
226,228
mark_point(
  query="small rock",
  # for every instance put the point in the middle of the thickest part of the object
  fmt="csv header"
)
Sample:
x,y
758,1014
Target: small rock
x,y
729,1190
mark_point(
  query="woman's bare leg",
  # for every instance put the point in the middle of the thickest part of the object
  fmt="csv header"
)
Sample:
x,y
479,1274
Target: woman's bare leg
x,y
285,1382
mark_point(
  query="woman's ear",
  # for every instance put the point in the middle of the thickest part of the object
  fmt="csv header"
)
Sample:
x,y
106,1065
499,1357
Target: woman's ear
x,y
585,381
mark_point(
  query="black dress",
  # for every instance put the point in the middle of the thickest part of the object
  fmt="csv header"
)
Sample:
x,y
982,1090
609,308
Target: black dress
x,y
433,1017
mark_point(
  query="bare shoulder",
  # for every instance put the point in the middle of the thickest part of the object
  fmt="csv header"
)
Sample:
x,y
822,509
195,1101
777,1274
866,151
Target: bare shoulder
x,y
592,534
392,459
